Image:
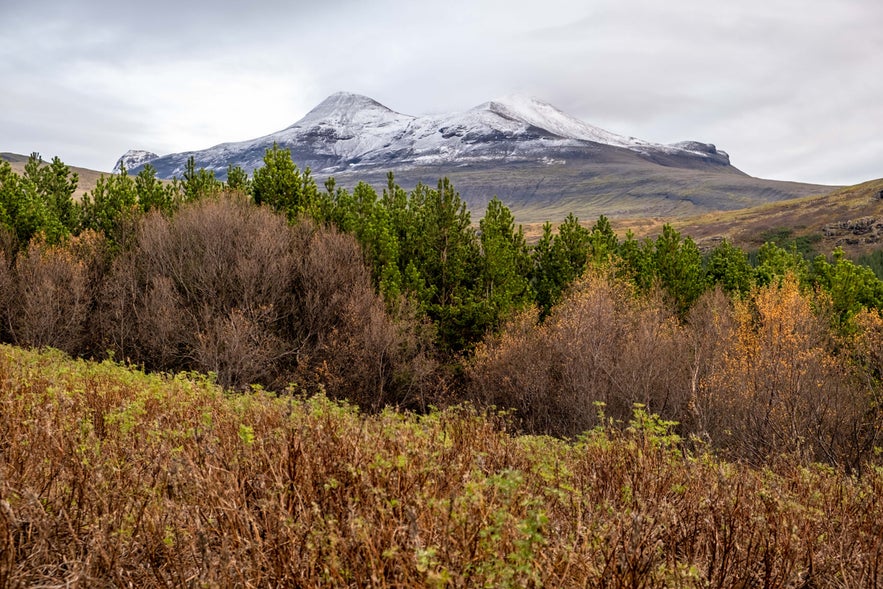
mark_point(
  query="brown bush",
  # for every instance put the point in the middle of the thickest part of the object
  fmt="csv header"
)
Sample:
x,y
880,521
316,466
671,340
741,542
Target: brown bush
x,y
711,331
50,299
355,349
230,288
7,294
601,344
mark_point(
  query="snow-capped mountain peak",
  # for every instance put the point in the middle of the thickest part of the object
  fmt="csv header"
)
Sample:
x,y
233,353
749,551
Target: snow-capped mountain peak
x,y
545,116
348,132
133,159
345,108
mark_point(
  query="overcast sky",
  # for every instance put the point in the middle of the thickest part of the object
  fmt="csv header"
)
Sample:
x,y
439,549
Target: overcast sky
x,y
791,89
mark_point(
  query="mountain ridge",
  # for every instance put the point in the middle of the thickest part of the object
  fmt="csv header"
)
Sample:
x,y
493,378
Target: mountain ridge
x,y
523,150
349,130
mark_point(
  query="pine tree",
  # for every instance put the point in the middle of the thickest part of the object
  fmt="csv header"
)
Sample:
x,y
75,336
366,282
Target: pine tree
x,y
678,265
56,186
545,279
152,193
443,248
280,185
558,260
113,200
603,242
506,263
729,267
237,180
25,211
198,183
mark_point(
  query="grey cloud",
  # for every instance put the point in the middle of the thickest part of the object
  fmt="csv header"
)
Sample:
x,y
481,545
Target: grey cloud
x,y
788,87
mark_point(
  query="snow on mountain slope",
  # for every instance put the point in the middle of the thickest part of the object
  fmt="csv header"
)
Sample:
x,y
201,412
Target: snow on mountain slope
x,y
133,159
348,132
346,125
545,116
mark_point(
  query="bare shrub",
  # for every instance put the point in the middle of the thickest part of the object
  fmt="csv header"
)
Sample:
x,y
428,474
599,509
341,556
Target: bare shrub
x,y
239,349
231,288
355,348
196,291
50,299
601,345
7,294
711,335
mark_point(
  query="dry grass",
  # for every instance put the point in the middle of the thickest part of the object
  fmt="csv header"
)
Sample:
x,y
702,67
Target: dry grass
x,y
803,216
109,478
749,227
87,178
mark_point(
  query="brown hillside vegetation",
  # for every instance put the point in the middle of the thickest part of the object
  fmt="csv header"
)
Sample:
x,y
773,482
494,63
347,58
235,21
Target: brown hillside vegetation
x,y
850,218
87,178
112,478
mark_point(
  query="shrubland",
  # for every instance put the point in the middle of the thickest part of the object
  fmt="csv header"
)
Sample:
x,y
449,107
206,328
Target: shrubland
x,y
113,477
674,417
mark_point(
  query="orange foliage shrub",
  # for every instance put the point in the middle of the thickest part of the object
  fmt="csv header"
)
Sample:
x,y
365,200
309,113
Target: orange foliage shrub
x,y
780,388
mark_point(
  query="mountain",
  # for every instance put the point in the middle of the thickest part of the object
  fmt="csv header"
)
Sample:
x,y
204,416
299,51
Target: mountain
x,y
537,159
134,158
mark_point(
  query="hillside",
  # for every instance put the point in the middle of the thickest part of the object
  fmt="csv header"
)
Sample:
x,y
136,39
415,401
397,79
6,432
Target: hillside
x,y
850,218
87,177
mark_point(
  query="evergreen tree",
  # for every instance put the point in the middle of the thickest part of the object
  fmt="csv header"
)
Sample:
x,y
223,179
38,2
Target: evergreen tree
x,y
637,263
852,287
402,214
558,260
113,200
506,263
603,242
56,185
280,185
445,252
25,211
237,180
198,183
574,242
151,193
363,214
678,265
545,279
729,267
874,261
774,263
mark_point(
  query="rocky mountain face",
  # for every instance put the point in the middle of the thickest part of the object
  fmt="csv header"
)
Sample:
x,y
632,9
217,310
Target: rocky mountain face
x,y
133,159
525,151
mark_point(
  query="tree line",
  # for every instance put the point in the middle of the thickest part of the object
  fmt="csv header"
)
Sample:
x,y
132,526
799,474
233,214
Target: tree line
x,y
398,297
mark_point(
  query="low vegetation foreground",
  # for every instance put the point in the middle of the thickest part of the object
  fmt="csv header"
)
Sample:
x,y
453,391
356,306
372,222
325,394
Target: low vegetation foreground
x,y
113,478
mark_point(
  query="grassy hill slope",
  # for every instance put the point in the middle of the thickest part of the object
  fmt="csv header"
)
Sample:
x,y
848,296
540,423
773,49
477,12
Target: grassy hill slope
x,y
537,192
850,217
87,177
